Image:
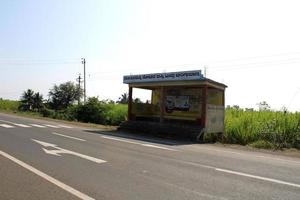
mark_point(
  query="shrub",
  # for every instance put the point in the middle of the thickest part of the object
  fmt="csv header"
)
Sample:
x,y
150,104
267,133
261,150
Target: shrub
x,y
116,114
93,111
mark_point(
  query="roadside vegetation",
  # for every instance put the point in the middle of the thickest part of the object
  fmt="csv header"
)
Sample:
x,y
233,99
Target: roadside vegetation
x,y
264,128
64,102
9,105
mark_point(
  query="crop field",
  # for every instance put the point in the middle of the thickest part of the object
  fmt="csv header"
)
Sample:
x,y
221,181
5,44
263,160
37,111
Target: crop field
x,y
9,105
262,129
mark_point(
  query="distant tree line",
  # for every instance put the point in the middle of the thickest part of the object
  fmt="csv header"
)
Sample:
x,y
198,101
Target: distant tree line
x,y
64,103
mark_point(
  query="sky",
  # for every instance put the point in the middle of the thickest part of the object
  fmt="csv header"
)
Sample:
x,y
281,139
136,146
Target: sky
x,y
251,46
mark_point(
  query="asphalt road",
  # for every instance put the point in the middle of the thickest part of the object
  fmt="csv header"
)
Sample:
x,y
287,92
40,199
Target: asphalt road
x,y
42,159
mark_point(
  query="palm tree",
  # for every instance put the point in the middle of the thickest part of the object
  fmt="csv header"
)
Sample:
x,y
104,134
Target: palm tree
x,y
27,100
37,101
123,99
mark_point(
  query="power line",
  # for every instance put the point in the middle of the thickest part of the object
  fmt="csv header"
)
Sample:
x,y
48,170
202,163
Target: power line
x,y
257,65
37,63
79,80
84,91
254,57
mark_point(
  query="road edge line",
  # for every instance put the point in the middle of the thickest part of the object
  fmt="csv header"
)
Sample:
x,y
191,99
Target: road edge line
x,y
257,177
50,179
67,136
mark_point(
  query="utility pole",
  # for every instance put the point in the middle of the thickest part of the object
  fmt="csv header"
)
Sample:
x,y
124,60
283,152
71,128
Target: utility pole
x,y
79,80
84,79
205,70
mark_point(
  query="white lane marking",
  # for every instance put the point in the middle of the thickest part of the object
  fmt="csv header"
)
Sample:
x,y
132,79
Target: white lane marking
x,y
6,126
15,124
158,147
22,125
75,138
52,180
121,140
51,126
57,150
258,177
64,126
138,143
280,159
236,173
255,156
37,125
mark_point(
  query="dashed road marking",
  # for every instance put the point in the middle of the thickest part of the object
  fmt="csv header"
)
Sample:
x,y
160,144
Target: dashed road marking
x,y
74,138
138,143
158,147
45,176
51,126
64,126
22,125
258,177
37,125
118,139
6,126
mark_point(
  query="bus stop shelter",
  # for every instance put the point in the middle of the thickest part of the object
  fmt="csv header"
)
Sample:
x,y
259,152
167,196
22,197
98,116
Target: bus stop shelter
x,y
184,101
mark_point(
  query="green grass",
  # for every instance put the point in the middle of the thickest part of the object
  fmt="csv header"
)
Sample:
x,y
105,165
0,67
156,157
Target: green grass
x,y
278,129
9,105
116,114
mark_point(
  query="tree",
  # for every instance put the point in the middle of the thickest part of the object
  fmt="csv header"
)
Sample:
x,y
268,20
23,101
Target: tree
x,y
31,101
92,111
263,106
37,102
123,99
137,100
63,95
27,100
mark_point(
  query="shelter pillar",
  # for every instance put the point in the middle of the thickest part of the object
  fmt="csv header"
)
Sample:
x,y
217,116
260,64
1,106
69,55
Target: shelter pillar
x,y
130,103
204,105
223,93
223,114
162,104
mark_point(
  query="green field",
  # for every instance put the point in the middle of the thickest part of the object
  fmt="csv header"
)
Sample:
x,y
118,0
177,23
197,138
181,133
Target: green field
x,y
260,129
9,105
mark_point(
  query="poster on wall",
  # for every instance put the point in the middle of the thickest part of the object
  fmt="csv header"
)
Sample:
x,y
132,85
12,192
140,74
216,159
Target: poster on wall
x,y
180,103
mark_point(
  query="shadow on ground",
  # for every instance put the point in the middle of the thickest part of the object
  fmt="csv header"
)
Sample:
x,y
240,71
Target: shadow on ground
x,y
146,137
